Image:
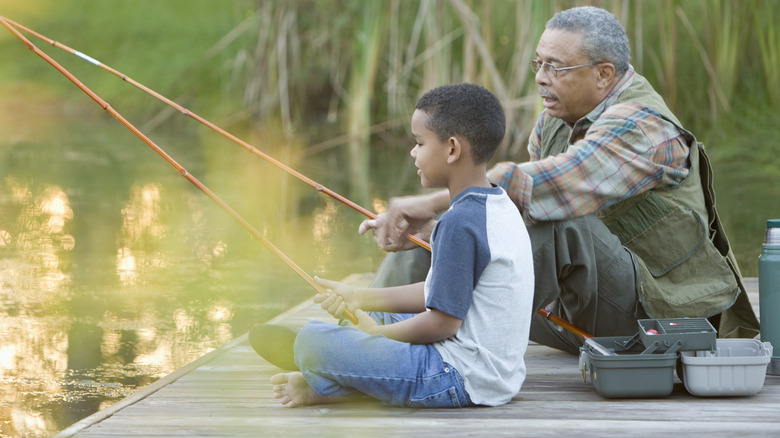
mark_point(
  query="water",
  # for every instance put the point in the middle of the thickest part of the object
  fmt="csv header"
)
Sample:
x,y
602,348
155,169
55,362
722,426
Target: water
x,y
115,271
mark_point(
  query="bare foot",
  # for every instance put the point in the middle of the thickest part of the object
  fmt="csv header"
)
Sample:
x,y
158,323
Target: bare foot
x,y
292,390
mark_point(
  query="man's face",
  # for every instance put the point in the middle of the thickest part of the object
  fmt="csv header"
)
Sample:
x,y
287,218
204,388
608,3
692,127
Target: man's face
x,y
573,93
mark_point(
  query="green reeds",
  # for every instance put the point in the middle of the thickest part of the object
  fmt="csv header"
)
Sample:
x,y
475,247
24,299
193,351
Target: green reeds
x,y
367,48
666,44
765,17
343,75
716,41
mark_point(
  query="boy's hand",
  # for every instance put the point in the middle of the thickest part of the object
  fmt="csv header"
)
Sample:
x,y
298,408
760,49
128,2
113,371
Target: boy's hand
x,y
339,298
366,323
332,303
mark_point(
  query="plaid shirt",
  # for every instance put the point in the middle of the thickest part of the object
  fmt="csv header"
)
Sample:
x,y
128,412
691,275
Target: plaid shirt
x,y
621,151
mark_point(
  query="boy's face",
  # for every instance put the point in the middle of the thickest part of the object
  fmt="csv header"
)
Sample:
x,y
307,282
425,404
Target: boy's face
x,y
430,155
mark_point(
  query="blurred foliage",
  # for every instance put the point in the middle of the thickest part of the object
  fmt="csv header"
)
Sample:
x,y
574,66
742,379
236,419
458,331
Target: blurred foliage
x,y
333,73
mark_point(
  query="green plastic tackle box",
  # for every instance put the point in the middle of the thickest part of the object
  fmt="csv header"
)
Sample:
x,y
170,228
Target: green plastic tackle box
x,y
628,369
695,333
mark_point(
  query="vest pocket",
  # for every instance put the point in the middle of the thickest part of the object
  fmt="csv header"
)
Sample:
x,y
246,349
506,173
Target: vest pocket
x,y
683,274
689,236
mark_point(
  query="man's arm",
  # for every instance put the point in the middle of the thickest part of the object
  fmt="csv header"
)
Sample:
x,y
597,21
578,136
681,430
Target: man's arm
x,y
627,151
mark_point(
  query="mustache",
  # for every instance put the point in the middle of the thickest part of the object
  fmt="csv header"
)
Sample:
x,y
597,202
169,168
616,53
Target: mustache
x,y
543,92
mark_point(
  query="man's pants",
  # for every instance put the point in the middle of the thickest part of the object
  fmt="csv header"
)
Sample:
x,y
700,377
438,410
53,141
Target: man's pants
x,y
582,273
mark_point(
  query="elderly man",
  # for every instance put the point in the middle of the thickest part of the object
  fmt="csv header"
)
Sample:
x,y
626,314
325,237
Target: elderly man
x,y
617,198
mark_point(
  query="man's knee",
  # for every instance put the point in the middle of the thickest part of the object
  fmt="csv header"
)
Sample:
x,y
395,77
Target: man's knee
x,y
404,267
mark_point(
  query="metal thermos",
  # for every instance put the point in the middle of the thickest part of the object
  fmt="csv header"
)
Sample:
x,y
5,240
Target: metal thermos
x,y
769,292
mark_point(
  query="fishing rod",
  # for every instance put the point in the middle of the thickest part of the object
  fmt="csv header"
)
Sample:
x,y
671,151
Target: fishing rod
x,y
319,187
179,168
199,119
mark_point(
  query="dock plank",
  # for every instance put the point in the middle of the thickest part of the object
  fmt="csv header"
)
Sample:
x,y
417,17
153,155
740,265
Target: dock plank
x,y
227,393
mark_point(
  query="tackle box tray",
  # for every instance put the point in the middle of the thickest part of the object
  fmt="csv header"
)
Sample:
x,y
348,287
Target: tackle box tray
x,y
621,367
688,333
736,368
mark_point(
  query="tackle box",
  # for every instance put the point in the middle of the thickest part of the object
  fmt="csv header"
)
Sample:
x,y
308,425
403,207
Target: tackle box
x,y
694,333
643,365
621,367
737,367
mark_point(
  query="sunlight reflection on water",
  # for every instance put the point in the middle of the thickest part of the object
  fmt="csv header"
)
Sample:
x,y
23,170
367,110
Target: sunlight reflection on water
x,y
114,272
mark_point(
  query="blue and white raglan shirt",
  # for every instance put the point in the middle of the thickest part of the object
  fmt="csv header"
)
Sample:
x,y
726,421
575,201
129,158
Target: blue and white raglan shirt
x,y
482,273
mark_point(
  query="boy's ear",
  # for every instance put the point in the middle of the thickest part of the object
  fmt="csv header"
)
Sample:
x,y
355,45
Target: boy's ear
x,y
456,148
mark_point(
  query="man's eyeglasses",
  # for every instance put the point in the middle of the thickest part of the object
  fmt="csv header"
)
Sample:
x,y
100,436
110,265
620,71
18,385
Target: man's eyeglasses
x,y
552,70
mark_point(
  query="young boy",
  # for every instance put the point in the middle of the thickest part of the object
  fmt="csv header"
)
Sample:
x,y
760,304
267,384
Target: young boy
x,y
457,339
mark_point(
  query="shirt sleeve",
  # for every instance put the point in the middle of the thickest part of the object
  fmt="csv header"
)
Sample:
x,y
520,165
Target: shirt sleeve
x,y
457,263
630,149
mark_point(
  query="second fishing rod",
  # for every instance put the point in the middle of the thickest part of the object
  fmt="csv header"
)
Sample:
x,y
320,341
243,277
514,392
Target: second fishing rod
x,y
544,313
179,168
210,125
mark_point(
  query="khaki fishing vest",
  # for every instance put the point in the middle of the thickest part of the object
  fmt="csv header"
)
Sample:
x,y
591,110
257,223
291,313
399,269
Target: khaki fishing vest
x,y
685,266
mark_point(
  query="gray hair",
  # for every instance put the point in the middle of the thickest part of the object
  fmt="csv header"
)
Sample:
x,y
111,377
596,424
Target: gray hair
x,y
603,37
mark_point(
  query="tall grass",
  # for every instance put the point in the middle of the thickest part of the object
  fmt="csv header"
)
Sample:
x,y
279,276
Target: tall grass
x,y
294,60
343,75
717,47
367,48
765,16
695,52
663,54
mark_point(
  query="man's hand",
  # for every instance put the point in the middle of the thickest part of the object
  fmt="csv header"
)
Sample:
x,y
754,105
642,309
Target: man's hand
x,y
404,216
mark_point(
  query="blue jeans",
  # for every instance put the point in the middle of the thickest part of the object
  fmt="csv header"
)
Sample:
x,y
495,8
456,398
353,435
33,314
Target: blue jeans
x,y
344,361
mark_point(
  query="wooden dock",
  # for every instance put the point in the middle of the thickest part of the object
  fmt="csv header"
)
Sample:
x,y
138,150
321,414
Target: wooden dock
x,y
227,393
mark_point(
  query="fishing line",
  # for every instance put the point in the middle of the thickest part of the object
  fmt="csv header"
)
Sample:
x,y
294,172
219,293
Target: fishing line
x,y
182,171
319,187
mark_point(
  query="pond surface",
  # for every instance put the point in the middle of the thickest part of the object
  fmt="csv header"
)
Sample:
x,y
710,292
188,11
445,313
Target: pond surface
x,y
115,270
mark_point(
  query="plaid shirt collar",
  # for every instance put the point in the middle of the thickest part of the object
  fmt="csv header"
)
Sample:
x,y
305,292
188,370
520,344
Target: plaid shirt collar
x,y
584,123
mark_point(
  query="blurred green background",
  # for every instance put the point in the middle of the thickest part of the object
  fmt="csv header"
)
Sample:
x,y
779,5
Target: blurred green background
x,y
115,271
338,76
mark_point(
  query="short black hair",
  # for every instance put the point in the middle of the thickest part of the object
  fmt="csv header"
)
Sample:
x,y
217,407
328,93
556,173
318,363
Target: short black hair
x,y
467,110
